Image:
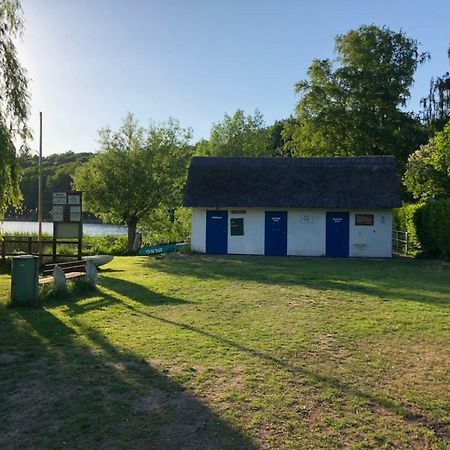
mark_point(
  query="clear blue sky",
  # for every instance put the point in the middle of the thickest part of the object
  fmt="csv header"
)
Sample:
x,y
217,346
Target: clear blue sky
x,y
92,61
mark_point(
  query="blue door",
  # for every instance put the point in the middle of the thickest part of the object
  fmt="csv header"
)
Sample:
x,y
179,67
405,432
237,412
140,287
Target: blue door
x,y
275,242
217,232
337,235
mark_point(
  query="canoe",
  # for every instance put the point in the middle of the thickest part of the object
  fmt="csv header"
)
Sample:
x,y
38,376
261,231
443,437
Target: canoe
x,y
100,260
158,249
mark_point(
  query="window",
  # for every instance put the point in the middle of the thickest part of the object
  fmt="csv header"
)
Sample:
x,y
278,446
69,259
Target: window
x,y
237,226
364,219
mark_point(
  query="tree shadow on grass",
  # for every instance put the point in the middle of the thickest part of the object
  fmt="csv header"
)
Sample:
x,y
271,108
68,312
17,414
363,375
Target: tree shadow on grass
x,y
139,293
386,279
109,270
440,429
66,384
86,300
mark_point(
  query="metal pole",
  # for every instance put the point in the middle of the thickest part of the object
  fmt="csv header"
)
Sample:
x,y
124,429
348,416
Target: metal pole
x,y
40,190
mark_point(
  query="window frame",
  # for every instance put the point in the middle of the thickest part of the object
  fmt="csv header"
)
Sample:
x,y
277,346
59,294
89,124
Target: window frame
x,y
240,227
365,215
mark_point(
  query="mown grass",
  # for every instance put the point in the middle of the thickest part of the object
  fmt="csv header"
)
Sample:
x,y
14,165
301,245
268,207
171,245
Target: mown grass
x,y
206,353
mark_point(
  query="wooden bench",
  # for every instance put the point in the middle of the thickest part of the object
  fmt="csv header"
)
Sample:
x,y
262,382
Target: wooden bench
x,y
72,270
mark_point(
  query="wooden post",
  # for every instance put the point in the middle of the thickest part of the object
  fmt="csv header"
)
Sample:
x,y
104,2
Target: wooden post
x,y
30,250
80,236
3,249
40,191
54,250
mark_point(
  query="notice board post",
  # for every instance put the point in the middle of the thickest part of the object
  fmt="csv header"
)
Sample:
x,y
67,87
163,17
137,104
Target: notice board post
x,y
67,219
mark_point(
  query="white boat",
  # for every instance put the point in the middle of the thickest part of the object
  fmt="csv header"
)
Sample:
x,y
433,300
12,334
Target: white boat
x,y
99,260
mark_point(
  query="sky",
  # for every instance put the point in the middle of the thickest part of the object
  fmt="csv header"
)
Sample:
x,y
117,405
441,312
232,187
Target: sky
x,y
92,61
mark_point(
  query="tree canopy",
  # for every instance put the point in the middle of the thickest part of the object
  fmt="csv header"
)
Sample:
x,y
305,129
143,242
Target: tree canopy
x,y
136,171
57,171
427,173
436,105
14,107
355,108
239,135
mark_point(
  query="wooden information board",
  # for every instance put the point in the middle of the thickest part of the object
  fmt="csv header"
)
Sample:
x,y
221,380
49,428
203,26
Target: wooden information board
x,y
67,216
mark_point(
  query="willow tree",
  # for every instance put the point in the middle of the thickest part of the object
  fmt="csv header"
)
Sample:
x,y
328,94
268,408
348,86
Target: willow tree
x,y
136,171
14,103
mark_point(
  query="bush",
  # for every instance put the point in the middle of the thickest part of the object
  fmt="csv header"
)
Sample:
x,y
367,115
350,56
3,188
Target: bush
x,y
428,227
434,228
405,219
105,245
165,226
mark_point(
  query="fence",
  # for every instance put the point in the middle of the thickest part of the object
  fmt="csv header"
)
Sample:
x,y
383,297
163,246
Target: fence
x,y
19,245
400,242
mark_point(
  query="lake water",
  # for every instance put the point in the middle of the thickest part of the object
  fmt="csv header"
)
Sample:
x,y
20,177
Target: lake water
x,y
89,229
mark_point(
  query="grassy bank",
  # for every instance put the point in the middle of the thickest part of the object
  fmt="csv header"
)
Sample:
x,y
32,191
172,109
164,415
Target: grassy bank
x,y
201,352
92,245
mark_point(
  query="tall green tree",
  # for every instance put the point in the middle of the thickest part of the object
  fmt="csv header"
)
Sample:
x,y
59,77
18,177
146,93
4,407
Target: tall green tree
x,y
436,105
136,171
14,103
353,106
427,173
238,135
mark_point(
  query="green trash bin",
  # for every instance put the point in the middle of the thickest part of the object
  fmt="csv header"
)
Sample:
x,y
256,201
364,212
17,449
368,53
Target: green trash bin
x,y
24,280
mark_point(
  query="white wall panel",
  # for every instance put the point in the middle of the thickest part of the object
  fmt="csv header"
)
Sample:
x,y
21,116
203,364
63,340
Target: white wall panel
x,y
306,232
198,235
372,241
252,243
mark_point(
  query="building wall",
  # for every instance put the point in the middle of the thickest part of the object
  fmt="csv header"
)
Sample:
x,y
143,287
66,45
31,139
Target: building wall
x,y
198,233
373,241
306,232
252,243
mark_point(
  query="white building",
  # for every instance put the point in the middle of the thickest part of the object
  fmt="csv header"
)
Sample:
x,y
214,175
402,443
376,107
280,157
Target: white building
x,y
336,207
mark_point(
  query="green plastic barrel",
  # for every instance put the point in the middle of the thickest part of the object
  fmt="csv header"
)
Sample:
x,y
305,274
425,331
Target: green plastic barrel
x,y
24,280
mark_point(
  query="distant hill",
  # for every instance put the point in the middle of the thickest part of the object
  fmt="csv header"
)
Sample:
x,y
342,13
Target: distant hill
x,y
57,171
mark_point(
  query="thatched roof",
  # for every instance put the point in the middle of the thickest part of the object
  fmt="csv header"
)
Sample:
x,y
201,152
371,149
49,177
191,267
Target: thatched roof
x,y
347,182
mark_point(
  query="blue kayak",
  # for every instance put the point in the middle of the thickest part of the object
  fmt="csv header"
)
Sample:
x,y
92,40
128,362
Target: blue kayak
x,y
158,249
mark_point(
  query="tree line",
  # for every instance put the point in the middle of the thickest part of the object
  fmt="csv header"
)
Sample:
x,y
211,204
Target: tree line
x,y
352,105
57,173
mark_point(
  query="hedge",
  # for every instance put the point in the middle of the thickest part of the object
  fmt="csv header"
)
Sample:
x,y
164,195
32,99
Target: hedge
x,y
428,227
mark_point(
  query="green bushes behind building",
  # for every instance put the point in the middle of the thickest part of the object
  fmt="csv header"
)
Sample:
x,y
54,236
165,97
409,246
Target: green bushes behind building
x,y
428,227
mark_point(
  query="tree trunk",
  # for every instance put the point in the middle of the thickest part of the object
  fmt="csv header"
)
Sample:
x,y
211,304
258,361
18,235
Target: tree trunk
x,y
131,224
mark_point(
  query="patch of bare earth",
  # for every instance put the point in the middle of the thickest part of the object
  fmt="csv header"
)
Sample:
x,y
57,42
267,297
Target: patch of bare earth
x,y
183,421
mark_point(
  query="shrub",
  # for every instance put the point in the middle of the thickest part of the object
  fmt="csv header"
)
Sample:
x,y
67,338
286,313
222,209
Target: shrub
x,y
434,228
105,245
405,219
165,226
428,227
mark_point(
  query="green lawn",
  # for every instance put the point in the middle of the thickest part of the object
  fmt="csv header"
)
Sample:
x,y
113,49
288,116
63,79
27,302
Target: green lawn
x,y
210,353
